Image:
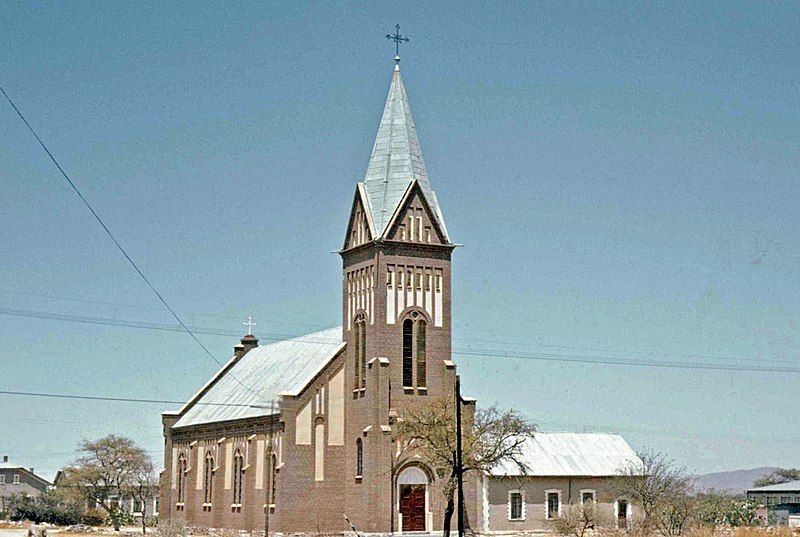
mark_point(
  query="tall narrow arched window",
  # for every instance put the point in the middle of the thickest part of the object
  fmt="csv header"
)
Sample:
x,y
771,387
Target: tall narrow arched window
x,y
238,477
359,457
274,474
420,350
408,353
360,353
208,473
414,352
181,478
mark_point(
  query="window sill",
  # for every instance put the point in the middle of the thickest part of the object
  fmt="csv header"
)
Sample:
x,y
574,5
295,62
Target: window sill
x,y
516,520
236,508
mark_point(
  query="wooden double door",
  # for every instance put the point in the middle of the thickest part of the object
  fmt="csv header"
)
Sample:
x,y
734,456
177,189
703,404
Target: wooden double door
x,y
412,507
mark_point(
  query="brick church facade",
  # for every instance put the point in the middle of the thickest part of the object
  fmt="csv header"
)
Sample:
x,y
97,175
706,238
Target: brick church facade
x,y
297,434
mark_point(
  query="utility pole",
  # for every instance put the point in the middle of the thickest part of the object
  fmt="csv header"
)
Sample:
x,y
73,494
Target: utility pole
x,y
269,468
459,465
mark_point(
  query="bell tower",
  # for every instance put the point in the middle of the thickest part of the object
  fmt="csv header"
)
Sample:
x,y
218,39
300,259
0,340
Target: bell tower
x,y
396,266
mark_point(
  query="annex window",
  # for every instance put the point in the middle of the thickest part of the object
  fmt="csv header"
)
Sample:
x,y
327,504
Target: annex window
x,y
181,479
361,353
16,479
238,479
553,504
359,457
208,484
621,513
587,497
2,479
516,505
414,351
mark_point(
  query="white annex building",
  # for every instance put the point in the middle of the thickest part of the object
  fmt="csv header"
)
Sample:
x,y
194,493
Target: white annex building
x,y
565,470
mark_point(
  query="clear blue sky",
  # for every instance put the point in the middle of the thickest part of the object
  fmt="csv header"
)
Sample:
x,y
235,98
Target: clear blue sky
x,y
624,177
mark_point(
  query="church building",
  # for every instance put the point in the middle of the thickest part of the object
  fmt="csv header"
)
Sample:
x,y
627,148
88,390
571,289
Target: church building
x,y
298,434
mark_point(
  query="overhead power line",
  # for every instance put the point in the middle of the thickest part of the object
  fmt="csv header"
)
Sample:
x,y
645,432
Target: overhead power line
x,y
122,399
113,238
640,360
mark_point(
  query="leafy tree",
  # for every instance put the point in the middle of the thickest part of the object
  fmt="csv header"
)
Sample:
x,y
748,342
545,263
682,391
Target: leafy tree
x,y
713,509
107,468
782,475
662,491
492,437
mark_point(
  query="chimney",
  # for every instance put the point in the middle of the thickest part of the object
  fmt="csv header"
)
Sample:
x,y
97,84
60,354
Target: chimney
x,y
248,342
5,458
31,469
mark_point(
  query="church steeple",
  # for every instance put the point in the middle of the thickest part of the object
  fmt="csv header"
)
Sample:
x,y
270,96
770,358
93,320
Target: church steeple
x,y
396,162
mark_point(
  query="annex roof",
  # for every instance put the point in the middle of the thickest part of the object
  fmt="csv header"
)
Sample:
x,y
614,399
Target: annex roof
x,y
396,160
266,371
573,454
790,486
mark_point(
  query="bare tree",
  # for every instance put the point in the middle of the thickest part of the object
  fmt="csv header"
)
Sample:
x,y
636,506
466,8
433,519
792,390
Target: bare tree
x,y
107,467
576,520
662,490
141,485
494,437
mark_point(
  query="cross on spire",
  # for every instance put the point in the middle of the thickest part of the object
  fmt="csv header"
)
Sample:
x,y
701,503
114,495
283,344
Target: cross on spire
x,y
249,324
397,38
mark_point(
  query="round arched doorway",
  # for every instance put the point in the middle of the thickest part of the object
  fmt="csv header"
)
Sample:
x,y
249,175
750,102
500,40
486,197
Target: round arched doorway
x,y
412,499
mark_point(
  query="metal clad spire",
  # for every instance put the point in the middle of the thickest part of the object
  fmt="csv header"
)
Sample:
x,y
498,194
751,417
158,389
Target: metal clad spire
x,y
396,158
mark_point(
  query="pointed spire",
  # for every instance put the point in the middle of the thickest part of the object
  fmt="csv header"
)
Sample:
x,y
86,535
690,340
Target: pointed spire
x,y
396,159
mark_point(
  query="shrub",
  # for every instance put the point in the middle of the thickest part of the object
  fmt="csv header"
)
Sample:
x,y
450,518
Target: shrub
x,y
44,508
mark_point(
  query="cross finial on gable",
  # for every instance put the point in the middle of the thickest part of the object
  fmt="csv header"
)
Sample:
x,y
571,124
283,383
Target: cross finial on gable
x,y
397,38
249,324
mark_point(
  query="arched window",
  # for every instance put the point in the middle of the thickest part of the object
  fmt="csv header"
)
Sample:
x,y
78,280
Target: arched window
x,y
408,353
359,457
319,450
360,353
420,357
414,352
274,474
181,478
208,472
238,477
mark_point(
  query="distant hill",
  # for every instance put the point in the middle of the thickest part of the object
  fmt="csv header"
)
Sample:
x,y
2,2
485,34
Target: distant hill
x,y
733,482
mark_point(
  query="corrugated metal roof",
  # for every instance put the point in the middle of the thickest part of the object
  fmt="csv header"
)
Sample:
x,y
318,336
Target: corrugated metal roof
x,y
573,454
267,370
396,160
791,486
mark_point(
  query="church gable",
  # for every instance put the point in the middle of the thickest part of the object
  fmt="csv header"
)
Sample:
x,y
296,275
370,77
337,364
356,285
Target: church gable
x,y
414,220
359,228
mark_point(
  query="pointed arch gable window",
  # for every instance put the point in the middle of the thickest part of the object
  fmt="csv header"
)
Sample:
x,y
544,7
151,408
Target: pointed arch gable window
x,y
359,457
238,479
414,351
